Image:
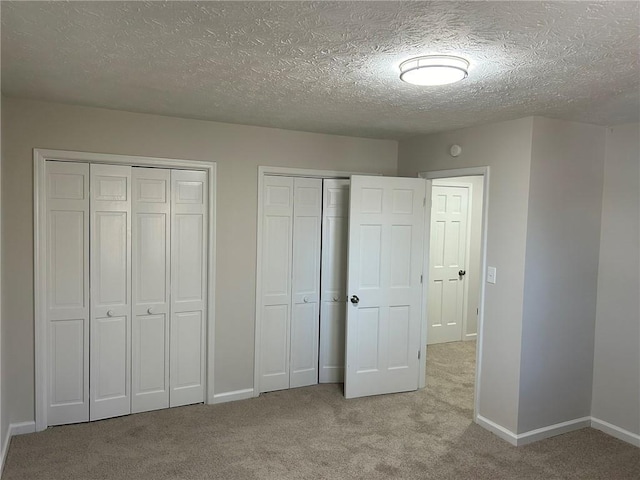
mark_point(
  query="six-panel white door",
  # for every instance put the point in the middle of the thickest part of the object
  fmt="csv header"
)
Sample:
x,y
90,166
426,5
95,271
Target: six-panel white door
x,y
386,229
335,227
448,249
110,326
67,277
305,295
150,286
188,286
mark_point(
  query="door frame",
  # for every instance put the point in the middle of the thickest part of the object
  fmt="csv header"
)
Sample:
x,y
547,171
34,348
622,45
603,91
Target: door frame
x,y
459,172
264,171
40,157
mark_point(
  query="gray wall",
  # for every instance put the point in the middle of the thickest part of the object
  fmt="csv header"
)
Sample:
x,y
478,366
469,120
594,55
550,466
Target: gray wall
x,y
238,150
474,275
506,148
616,375
561,272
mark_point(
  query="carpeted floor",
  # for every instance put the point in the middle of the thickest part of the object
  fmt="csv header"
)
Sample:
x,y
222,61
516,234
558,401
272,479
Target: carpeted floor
x,y
314,433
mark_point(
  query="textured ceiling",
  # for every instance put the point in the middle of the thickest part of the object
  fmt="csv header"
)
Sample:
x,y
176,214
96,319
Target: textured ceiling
x,y
328,66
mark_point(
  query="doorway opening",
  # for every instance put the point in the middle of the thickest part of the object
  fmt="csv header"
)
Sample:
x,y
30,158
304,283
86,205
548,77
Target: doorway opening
x,y
454,288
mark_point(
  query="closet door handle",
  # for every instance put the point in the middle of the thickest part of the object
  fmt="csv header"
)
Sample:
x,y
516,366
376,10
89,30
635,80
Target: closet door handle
x,y
335,299
109,313
305,299
355,300
150,310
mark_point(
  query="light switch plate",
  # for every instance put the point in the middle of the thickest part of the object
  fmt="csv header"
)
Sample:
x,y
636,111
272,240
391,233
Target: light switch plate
x,y
491,274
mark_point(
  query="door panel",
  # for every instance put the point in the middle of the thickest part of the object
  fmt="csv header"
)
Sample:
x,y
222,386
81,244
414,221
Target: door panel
x,y
275,304
109,356
335,217
188,287
448,248
187,350
151,258
386,230
305,318
110,366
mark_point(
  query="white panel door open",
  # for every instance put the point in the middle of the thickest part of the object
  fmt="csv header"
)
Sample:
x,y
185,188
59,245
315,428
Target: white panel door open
x,y
110,329
275,304
150,286
335,227
305,295
447,260
67,293
188,287
386,230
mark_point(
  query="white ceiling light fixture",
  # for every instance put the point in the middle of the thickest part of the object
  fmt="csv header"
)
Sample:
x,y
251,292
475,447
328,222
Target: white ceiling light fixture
x,y
434,70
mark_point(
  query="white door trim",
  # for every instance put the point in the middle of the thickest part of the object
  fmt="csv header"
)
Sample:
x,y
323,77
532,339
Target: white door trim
x,y
40,156
460,172
288,172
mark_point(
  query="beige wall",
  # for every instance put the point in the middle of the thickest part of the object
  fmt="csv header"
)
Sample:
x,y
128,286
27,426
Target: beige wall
x,y
238,150
474,275
616,375
561,273
506,148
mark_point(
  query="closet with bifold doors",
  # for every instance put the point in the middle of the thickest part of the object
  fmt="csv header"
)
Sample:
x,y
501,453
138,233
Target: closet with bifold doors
x,y
126,289
302,300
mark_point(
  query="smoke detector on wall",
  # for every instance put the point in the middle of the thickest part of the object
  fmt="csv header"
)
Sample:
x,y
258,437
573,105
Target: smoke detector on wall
x,y
434,70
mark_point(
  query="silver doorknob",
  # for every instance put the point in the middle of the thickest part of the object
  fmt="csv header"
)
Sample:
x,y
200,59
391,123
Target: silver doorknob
x,y
462,273
335,299
355,300
150,310
305,299
109,313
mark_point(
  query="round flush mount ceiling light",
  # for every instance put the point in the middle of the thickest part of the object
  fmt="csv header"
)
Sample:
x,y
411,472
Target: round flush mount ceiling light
x,y
434,70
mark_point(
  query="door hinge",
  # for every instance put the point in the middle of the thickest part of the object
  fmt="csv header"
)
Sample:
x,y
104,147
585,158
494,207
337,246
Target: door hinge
x,y
418,354
420,278
424,202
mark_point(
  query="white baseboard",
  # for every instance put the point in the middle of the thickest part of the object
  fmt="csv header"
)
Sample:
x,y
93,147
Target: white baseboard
x,y
498,430
14,429
525,438
233,396
615,431
22,428
5,449
552,430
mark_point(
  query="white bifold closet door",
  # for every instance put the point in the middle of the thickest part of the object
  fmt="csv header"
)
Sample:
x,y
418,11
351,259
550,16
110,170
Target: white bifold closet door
x,y
67,278
151,283
335,229
188,287
292,211
110,325
126,278
305,286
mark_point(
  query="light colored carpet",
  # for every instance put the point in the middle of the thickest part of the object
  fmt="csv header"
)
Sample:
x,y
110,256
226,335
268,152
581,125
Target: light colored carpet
x,y
314,433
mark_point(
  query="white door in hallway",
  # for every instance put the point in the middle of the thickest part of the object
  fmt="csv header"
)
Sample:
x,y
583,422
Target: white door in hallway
x,y
335,228
386,232
110,325
447,270
150,285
